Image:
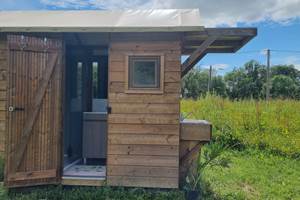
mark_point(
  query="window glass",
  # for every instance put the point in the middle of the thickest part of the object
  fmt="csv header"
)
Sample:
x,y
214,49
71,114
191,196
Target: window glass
x,y
79,80
95,78
144,72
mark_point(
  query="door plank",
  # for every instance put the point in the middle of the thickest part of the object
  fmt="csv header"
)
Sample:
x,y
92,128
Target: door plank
x,y
21,176
34,113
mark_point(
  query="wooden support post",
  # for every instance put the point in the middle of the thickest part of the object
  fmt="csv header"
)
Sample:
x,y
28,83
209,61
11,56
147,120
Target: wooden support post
x,y
197,55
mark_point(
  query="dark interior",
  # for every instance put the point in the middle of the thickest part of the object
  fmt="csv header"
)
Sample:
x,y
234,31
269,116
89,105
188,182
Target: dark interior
x,y
85,124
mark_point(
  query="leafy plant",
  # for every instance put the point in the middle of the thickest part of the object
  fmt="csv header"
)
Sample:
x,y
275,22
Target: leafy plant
x,y
210,157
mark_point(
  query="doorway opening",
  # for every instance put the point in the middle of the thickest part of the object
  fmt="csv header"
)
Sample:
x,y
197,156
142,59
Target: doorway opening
x,y
85,118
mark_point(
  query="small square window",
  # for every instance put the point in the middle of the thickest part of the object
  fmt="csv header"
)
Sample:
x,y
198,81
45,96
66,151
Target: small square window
x,y
144,72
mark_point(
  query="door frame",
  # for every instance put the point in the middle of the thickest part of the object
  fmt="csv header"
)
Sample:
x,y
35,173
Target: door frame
x,y
65,100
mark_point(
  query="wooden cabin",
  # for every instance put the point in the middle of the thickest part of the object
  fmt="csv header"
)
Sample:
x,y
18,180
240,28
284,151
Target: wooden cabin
x,y
93,97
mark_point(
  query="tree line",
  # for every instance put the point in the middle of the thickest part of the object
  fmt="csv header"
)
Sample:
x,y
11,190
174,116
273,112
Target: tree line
x,y
248,81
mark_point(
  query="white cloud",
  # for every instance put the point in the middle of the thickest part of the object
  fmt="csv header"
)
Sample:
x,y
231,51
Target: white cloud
x,y
213,12
287,60
74,4
292,60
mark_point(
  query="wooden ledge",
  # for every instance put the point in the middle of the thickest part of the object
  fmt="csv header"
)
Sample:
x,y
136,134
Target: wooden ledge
x,y
78,181
195,130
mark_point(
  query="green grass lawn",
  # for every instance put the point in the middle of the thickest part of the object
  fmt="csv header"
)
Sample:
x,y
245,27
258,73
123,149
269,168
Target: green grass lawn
x,y
253,174
91,193
263,146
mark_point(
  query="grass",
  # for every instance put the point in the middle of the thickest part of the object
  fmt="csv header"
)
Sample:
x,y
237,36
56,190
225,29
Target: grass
x,y
272,126
253,174
262,149
92,193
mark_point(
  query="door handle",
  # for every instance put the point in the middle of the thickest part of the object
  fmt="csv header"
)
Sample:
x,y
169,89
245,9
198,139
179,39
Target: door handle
x,y
12,109
108,109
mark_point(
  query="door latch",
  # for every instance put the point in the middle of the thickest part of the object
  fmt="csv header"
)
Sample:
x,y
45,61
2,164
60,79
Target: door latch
x,y
12,109
108,109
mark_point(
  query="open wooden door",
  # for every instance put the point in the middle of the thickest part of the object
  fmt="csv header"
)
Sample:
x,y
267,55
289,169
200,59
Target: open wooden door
x,y
34,119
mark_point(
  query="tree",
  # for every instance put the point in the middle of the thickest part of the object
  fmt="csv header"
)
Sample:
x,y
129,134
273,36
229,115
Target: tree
x,y
246,82
219,86
284,87
287,70
195,84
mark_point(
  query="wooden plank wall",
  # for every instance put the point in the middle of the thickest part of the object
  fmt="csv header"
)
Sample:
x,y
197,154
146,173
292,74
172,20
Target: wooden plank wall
x,y
143,129
3,85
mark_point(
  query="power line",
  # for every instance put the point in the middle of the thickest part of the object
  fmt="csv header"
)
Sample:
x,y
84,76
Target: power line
x,y
249,52
273,50
285,51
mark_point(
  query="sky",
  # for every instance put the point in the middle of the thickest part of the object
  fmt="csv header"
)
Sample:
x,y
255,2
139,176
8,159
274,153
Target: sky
x,y
278,23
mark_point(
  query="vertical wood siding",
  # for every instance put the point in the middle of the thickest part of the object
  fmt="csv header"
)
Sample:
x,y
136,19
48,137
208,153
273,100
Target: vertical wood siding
x,y
3,85
35,78
143,129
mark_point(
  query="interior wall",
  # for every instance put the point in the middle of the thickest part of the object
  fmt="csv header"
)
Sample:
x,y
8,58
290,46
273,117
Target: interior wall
x,y
143,129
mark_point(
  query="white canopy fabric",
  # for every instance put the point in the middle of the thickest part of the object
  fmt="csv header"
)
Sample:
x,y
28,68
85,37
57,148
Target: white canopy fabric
x,y
156,20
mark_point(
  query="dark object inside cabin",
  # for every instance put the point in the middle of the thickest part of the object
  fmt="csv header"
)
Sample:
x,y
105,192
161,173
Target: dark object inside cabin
x,y
85,121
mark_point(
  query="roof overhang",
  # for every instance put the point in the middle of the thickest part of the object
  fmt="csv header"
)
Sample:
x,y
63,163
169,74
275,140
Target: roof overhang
x,y
155,20
213,40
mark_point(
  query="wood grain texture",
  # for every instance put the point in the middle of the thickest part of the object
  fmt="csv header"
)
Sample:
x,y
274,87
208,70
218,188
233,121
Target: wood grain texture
x,y
141,160
150,182
143,139
82,182
155,150
3,90
143,128
143,118
196,131
138,171
143,98
27,72
144,108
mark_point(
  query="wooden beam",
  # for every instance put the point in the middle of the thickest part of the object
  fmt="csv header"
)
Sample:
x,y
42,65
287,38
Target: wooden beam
x,y
218,42
231,31
209,50
33,114
225,32
197,55
244,41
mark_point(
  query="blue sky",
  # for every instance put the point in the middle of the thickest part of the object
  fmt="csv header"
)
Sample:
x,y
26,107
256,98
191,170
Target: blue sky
x,y
278,23
285,37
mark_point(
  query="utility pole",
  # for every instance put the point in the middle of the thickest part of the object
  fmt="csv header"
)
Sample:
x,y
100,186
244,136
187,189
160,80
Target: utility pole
x,y
209,79
268,75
